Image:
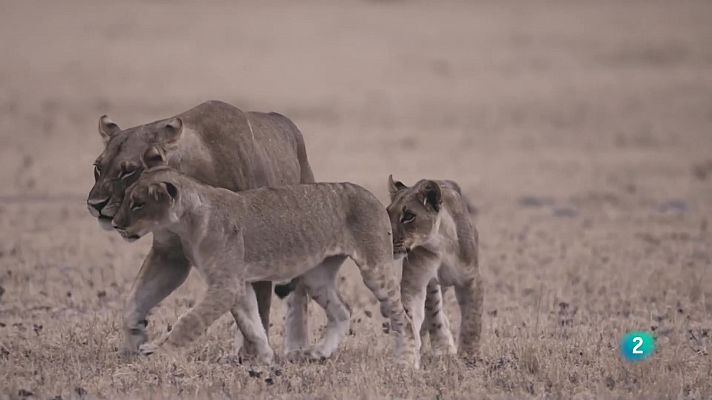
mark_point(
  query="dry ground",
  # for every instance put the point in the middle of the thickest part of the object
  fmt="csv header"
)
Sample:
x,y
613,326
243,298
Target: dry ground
x,y
582,131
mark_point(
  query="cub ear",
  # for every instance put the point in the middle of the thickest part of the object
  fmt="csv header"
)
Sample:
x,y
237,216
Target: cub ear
x,y
431,194
395,187
107,128
170,132
153,157
163,189
172,190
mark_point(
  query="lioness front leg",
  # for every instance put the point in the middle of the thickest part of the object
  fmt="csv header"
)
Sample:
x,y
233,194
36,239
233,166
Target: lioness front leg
x,y
263,294
245,312
296,324
217,300
321,284
164,269
436,322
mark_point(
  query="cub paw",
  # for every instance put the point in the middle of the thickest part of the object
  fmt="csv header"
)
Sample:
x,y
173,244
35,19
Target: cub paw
x,y
296,355
266,358
249,350
147,349
385,310
262,356
444,350
409,362
317,353
160,346
408,358
134,338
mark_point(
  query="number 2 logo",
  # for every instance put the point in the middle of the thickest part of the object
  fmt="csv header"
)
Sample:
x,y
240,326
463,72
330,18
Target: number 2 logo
x,y
637,346
639,341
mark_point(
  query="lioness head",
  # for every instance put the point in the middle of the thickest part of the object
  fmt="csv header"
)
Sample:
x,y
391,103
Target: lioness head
x,y
414,213
149,204
120,164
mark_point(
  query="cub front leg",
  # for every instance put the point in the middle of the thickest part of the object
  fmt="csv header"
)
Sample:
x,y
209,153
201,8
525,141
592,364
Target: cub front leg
x,y
379,279
164,269
223,268
436,322
470,296
413,298
417,272
217,300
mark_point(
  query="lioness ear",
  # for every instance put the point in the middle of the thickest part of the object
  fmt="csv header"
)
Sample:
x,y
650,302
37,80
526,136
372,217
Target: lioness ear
x,y
107,128
171,131
431,194
395,187
153,157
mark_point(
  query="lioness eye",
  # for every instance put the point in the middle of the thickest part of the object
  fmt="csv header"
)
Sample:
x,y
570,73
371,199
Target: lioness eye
x,y
97,172
136,206
407,217
127,173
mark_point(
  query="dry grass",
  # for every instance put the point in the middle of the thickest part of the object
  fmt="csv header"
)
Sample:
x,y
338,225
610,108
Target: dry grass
x,y
581,130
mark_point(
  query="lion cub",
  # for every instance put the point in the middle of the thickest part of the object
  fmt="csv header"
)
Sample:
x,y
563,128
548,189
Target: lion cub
x,y
268,234
432,229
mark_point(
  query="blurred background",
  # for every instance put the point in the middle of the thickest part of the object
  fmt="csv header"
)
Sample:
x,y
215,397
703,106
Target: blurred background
x,y
580,130
500,94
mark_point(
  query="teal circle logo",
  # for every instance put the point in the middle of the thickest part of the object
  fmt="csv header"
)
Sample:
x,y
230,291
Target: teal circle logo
x,y
637,346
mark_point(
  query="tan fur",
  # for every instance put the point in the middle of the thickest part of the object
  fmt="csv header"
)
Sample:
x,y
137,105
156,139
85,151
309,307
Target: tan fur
x,y
432,230
275,234
217,144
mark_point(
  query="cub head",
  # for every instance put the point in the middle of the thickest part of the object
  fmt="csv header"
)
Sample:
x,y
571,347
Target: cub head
x,y
123,160
149,204
414,213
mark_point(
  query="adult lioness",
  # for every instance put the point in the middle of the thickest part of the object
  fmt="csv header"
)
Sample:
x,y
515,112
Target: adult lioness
x,y
234,238
219,145
432,229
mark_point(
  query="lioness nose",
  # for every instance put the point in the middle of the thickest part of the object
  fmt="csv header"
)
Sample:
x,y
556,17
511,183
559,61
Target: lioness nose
x,y
98,205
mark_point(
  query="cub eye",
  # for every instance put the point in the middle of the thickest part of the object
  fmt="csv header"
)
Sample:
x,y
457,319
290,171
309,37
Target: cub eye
x,y
407,217
97,172
137,205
